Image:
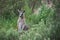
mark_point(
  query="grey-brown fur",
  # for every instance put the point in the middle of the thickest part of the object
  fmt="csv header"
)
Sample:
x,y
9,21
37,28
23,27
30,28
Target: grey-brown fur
x,y
21,21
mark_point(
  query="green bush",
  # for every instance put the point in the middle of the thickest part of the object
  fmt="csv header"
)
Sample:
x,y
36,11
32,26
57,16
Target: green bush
x,y
8,35
38,29
44,13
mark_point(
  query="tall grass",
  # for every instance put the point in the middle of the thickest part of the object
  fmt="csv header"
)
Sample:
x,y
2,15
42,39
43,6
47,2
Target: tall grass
x,y
38,29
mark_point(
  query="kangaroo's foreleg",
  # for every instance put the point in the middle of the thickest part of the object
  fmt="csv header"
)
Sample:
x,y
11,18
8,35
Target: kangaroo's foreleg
x,y
20,27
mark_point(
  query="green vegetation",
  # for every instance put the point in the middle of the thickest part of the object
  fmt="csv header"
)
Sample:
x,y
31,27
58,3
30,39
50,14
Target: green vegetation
x,y
42,26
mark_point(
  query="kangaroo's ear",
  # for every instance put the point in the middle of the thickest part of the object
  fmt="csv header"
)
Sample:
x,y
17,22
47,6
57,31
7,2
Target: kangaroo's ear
x,y
18,10
24,11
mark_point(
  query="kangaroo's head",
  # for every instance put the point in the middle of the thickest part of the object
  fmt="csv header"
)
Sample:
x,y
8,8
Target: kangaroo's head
x,y
21,12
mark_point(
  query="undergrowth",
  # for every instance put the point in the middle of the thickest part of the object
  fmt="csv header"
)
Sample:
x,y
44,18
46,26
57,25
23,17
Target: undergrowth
x,y
40,25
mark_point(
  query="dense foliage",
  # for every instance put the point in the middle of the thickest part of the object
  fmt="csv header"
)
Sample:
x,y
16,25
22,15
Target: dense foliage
x,y
42,26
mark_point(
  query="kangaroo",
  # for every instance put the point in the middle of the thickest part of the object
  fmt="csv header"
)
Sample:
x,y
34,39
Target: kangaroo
x,y
21,21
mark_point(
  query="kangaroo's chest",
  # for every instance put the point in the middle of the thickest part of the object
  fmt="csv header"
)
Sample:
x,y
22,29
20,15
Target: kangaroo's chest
x,y
20,22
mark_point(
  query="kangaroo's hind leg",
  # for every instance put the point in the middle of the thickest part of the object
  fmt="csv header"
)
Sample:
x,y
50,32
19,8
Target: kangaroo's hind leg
x,y
25,27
